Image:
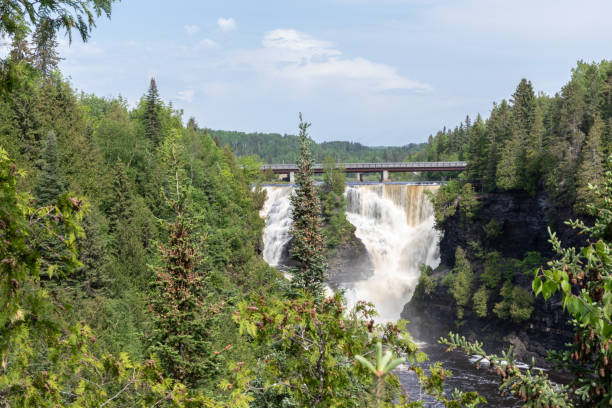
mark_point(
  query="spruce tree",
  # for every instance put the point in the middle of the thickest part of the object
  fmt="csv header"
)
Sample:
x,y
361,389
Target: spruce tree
x,y
591,169
50,182
183,320
151,119
308,243
45,56
121,208
477,147
511,171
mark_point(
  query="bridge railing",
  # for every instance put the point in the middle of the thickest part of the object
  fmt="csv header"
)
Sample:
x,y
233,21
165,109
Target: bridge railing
x,y
382,166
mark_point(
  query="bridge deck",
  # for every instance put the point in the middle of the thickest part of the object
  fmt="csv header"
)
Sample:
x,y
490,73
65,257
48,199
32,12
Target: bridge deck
x,y
375,167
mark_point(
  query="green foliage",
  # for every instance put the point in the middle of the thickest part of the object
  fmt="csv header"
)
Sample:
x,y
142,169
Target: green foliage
x,y
318,353
584,279
480,299
517,304
336,227
185,314
50,183
275,148
308,243
492,270
492,229
535,143
591,168
425,287
151,117
463,281
20,15
444,202
534,388
468,203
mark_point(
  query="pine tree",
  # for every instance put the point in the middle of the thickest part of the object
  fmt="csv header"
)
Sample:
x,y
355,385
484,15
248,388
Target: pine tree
x,y
50,182
151,119
591,169
45,56
183,319
308,243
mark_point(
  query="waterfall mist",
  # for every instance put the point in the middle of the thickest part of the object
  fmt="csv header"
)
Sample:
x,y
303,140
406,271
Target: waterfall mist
x,y
277,213
394,222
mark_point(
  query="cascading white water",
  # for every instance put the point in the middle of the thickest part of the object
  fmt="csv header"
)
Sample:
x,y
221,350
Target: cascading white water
x,y
394,222
277,213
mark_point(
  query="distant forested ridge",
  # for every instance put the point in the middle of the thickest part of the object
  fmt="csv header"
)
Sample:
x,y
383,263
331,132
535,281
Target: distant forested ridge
x,y
276,148
535,142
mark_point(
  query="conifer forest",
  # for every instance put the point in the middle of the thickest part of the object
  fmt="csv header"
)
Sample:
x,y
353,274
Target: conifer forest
x,y
146,260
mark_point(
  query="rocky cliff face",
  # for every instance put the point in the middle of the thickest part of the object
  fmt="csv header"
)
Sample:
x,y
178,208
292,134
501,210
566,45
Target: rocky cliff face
x,y
348,262
523,222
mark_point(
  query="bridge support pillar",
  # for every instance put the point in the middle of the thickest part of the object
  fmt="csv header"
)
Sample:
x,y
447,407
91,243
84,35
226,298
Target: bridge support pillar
x,y
359,177
292,177
384,176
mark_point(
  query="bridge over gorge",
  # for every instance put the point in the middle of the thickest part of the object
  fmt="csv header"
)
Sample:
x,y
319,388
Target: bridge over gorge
x,y
383,168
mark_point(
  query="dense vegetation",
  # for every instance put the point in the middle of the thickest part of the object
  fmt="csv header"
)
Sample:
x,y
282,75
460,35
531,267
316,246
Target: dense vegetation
x,y
131,273
130,266
538,143
275,148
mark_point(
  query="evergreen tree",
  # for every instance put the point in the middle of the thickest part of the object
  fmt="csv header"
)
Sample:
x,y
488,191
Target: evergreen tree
x,y
591,169
121,209
50,182
192,124
463,280
477,147
20,49
45,56
308,243
182,318
512,166
152,116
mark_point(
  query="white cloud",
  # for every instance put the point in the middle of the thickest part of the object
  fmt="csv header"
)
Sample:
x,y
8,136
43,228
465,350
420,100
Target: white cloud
x,y
191,29
207,43
186,95
310,62
226,24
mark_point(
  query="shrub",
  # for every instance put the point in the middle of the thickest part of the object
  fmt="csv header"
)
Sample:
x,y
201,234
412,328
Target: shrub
x,y
461,288
492,274
480,299
468,203
492,229
426,286
517,303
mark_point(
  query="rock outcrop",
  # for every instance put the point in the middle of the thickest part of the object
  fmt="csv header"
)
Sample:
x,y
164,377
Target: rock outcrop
x,y
523,222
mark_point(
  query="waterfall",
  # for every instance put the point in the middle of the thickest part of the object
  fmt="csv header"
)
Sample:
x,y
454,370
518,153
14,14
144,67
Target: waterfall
x,y
277,213
394,222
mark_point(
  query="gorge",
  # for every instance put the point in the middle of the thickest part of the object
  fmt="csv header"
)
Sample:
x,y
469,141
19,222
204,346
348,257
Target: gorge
x,y
395,235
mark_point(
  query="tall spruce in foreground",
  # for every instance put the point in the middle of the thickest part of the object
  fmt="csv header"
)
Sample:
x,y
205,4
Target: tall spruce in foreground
x,y
184,315
308,243
181,337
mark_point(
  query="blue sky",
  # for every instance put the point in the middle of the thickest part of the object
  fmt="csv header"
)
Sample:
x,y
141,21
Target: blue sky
x,y
379,72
